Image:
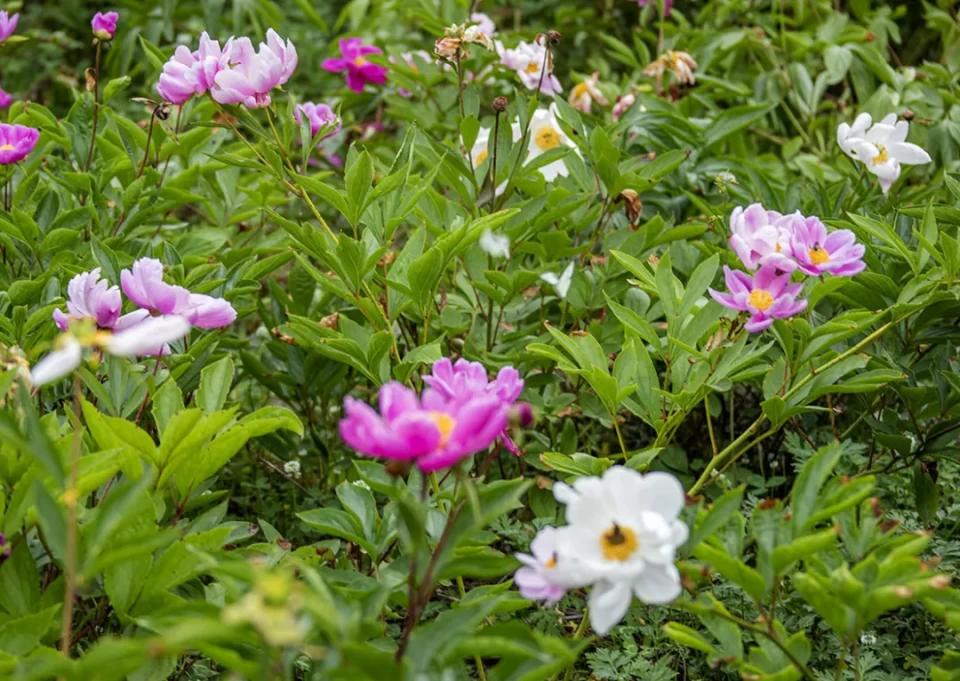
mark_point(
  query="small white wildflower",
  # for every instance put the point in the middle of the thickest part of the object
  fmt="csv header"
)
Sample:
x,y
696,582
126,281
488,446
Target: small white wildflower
x,y
867,639
561,283
292,468
495,245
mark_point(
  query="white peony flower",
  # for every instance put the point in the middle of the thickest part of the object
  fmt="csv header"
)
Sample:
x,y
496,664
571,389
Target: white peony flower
x,y
545,134
495,245
59,363
480,151
562,283
624,532
881,147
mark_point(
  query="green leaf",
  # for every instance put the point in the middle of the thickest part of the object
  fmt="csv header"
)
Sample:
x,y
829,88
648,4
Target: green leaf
x,y
807,486
733,570
215,382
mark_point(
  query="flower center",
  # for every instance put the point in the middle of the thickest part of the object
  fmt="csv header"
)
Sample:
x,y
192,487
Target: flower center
x,y
359,61
580,90
7,147
818,255
481,156
760,299
547,138
445,424
881,157
551,562
533,67
618,543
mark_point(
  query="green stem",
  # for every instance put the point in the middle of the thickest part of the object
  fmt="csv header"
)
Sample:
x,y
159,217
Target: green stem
x,y
70,500
96,108
735,449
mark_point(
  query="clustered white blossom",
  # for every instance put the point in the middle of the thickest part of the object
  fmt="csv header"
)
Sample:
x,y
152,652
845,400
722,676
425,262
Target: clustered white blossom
x,y
621,540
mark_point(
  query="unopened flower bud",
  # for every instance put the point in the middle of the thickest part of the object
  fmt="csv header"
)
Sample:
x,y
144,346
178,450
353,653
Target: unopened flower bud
x,y
500,103
523,414
553,37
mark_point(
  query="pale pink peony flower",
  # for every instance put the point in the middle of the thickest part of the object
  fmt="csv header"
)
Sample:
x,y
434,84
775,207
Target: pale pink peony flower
x,y
529,61
8,24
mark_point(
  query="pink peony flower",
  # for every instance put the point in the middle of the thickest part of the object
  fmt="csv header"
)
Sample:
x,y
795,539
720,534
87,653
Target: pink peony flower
x,y
209,59
104,25
767,295
433,430
320,116
353,60
818,252
5,99
233,74
251,76
463,380
143,284
8,24
540,578
16,141
528,60
761,237
90,297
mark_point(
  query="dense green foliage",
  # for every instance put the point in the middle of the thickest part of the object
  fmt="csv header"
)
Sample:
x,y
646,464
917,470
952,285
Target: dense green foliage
x,y
200,514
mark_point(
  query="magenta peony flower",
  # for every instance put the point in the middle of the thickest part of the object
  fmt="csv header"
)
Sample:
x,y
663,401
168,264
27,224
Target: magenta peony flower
x,y
767,295
432,430
143,284
252,75
5,99
761,237
359,70
818,252
463,380
90,297
16,141
8,24
320,116
104,25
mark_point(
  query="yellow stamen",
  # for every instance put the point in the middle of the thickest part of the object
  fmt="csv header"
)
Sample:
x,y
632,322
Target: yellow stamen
x,y
817,255
445,424
881,157
533,67
760,299
359,61
547,138
580,90
7,147
618,543
551,562
481,156
779,248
